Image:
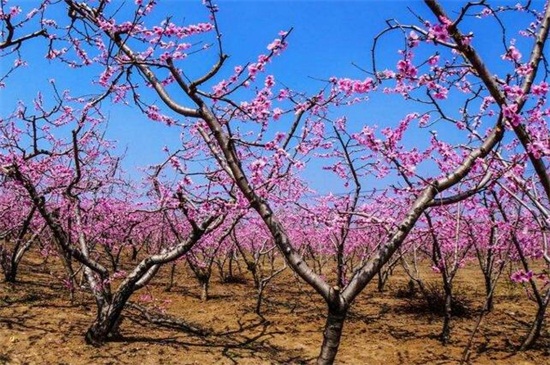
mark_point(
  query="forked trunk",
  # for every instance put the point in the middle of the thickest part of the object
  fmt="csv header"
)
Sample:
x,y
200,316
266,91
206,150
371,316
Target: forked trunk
x,y
109,316
106,325
331,336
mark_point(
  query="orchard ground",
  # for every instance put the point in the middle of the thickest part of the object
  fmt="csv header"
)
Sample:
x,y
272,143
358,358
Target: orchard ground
x,y
39,325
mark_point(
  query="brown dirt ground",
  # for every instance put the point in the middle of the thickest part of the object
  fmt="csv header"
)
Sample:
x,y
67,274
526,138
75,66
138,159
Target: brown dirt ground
x,y
39,325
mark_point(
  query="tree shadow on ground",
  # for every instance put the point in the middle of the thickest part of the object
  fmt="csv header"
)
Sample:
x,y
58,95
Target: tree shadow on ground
x,y
248,340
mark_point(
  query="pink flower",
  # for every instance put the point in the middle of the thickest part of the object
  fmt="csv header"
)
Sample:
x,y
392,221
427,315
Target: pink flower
x,y
258,164
406,68
269,81
486,12
510,113
540,89
283,94
276,46
512,54
277,112
433,60
439,32
521,276
413,39
441,93
15,10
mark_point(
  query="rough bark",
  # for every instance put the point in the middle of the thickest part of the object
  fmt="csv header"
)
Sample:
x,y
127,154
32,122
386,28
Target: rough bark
x,y
106,325
171,279
536,326
259,299
205,284
331,336
446,330
489,293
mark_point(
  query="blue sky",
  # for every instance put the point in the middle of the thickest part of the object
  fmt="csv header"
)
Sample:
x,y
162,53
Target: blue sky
x,y
327,37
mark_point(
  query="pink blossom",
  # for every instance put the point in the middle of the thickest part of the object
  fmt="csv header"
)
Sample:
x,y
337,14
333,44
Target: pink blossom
x,y
439,32
406,68
277,46
538,149
521,276
258,164
269,81
510,113
15,10
540,89
283,94
433,60
487,12
512,54
413,39
277,112
441,94
424,120
19,62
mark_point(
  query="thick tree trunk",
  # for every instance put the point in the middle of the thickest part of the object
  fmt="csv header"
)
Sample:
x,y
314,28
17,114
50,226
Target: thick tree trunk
x,y
7,263
106,325
10,273
331,336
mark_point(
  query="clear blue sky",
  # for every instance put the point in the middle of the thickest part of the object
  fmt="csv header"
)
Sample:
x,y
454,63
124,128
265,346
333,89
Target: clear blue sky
x,y
328,37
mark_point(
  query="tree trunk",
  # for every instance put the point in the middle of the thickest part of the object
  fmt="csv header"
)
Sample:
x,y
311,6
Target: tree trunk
x,y
171,280
489,291
106,325
259,299
446,331
205,282
230,273
6,263
67,264
331,336
11,273
382,278
536,326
